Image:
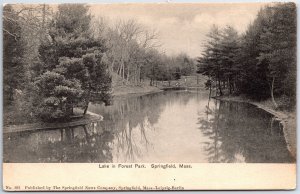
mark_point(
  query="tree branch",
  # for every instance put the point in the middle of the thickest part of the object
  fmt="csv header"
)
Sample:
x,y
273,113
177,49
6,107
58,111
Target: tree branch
x,y
13,35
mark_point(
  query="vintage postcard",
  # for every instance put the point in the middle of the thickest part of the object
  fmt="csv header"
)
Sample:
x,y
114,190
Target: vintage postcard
x,y
157,96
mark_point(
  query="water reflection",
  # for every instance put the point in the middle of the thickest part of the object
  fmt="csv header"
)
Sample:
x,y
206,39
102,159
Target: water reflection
x,y
173,126
80,144
133,119
239,132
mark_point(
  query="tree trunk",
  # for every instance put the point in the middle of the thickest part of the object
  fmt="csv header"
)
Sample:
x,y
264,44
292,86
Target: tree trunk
x,y
139,74
128,74
229,84
119,70
69,109
86,108
112,65
87,136
123,71
87,102
209,91
135,76
272,93
61,134
220,89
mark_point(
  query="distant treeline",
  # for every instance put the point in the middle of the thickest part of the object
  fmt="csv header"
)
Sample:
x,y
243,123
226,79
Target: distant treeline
x,y
261,63
55,61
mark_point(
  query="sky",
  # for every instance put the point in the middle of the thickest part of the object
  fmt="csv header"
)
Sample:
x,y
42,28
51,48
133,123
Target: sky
x,y
182,27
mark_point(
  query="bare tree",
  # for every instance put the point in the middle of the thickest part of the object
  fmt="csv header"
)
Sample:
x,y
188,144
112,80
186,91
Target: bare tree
x,y
127,43
34,20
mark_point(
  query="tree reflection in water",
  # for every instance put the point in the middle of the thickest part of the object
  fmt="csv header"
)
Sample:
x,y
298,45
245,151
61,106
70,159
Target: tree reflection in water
x,y
121,137
162,127
239,132
130,119
79,144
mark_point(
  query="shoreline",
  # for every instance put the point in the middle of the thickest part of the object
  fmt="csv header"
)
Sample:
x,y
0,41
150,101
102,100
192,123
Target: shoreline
x,y
89,117
86,119
287,120
127,91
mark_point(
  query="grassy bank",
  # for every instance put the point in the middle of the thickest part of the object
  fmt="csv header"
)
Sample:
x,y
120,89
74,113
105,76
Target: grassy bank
x,y
129,89
184,81
120,88
287,118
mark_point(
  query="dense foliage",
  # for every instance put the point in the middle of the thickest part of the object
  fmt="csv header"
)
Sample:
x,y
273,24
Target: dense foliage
x,y
65,68
72,65
59,60
260,63
13,67
56,61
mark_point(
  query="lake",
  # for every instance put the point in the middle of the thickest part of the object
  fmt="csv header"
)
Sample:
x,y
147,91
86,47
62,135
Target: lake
x,y
170,126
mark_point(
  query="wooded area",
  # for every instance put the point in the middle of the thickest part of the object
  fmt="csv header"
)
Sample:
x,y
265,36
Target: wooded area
x,y
190,82
261,63
58,58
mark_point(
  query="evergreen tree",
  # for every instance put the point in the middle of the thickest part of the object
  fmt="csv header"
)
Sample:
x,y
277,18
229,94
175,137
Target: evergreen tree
x,y
252,80
74,65
278,44
262,62
210,62
228,56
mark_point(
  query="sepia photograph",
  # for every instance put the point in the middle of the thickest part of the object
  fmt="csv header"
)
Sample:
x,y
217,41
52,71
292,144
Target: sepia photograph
x,y
142,88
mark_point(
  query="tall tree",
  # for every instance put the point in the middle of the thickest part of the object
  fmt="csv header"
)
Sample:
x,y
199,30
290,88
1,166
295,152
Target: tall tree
x,y
262,62
73,64
13,50
210,62
278,43
228,58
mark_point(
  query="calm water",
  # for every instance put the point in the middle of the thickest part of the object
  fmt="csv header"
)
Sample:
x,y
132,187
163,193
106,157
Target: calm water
x,y
173,126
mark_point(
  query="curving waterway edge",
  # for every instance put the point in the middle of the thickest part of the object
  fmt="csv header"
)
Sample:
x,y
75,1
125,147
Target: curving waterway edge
x,y
287,123
289,128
